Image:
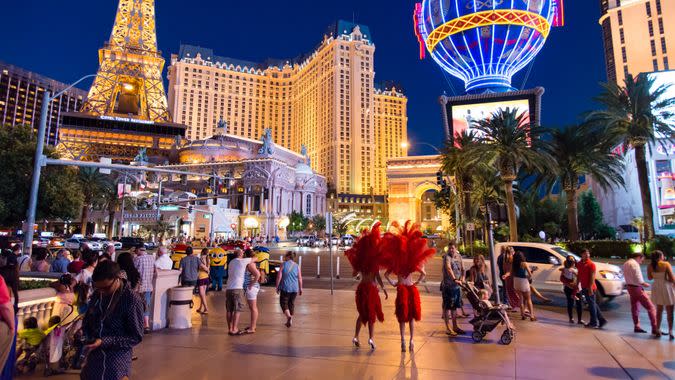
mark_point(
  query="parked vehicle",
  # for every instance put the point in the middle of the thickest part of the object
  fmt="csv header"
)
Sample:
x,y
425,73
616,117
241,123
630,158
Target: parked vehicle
x,y
81,244
130,241
150,245
335,240
545,261
302,241
316,242
347,240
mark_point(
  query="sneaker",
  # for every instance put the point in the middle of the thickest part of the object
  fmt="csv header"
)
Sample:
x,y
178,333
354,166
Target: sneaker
x,y
639,330
571,321
581,322
590,326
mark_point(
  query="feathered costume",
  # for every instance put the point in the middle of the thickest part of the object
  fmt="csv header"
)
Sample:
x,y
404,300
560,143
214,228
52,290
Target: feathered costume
x,y
405,251
364,257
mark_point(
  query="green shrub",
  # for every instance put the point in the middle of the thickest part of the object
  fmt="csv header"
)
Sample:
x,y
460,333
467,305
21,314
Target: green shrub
x,y
662,243
478,249
603,248
33,284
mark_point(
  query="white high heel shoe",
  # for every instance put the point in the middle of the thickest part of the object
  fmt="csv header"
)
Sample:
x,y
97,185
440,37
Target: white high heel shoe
x,y
356,343
372,344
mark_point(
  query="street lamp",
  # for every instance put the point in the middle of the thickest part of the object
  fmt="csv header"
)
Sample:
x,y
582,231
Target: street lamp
x,y
38,163
406,144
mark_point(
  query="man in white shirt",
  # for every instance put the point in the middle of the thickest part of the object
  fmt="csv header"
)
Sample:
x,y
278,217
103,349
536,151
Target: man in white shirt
x,y
24,261
163,261
636,290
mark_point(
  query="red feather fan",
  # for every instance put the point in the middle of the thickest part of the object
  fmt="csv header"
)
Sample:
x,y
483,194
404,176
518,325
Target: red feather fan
x,y
365,253
404,250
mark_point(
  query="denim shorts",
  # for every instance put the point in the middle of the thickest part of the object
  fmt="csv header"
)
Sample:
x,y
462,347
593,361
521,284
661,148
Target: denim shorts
x,y
452,298
147,297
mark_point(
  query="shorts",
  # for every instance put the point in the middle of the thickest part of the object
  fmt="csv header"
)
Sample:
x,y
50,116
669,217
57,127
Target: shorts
x,y
252,293
188,283
147,298
521,284
452,298
287,301
234,300
203,281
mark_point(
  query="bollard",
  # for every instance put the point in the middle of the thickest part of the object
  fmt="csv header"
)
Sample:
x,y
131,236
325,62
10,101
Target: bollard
x,y
300,262
338,268
318,266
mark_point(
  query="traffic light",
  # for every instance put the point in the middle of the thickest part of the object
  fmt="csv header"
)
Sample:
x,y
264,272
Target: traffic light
x,y
439,178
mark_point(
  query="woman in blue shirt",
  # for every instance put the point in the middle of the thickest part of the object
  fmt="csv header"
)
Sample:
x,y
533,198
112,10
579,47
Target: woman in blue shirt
x,y
289,285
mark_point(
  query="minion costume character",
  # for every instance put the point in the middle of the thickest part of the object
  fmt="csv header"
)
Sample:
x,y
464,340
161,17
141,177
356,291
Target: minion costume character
x,y
218,263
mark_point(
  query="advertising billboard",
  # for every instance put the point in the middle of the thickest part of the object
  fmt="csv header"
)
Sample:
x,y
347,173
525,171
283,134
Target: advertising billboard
x,y
461,112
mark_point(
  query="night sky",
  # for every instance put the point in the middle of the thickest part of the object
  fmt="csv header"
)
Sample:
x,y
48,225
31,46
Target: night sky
x,y
60,39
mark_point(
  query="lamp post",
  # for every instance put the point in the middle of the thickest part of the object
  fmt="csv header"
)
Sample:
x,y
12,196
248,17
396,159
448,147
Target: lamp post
x,y
38,163
491,248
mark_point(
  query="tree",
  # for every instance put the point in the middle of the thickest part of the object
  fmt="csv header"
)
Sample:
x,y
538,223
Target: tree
x,y
508,144
94,185
340,226
297,222
59,196
634,116
319,222
111,202
579,150
591,224
455,163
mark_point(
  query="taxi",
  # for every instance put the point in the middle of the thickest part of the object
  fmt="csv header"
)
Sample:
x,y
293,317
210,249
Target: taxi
x,y
177,253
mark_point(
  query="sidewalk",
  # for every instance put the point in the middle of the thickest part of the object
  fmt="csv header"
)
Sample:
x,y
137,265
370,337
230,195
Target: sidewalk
x,y
318,346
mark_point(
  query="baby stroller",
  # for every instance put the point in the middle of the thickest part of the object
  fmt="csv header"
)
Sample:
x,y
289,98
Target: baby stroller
x,y
487,317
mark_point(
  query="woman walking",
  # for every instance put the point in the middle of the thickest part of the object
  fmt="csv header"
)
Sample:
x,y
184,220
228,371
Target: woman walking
x,y
511,295
289,285
365,258
521,282
203,280
113,323
252,288
569,277
405,252
663,291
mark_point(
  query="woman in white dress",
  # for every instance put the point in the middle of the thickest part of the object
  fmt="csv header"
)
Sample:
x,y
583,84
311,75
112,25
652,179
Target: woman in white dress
x,y
663,290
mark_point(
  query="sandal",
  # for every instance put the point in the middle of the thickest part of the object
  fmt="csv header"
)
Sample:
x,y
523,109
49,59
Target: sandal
x,y
249,331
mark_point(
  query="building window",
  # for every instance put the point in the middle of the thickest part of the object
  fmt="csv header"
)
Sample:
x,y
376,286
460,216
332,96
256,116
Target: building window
x,y
651,28
658,7
620,16
663,45
661,26
653,46
656,65
623,37
649,9
665,63
623,54
308,205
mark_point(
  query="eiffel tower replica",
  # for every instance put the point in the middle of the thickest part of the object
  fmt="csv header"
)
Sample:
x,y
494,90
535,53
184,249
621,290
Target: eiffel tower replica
x,y
126,109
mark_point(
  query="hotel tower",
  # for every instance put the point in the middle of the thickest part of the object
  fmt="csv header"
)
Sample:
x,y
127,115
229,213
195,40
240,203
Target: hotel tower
x,y
326,101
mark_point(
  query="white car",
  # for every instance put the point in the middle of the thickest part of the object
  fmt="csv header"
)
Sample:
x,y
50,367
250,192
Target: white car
x,y
81,244
545,262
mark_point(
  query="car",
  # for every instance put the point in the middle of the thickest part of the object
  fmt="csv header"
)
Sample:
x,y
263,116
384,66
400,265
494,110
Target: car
x,y
316,242
347,240
72,243
105,243
150,245
130,241
41,242
335,240
302,241
92,245
545,262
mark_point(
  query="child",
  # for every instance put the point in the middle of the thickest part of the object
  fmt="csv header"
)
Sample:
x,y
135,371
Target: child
x,y
570,279
30,337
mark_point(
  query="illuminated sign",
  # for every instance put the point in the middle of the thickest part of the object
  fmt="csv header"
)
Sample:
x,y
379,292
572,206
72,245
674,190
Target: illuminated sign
x,y
126,119
464,116
168,208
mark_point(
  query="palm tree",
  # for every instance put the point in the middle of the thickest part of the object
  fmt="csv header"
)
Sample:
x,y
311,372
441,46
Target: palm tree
x,y
455,163
508,143
111,202
579,150
93,186
635,116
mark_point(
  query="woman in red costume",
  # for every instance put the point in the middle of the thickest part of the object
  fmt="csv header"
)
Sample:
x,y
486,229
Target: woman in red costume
x,y
405,251
365,259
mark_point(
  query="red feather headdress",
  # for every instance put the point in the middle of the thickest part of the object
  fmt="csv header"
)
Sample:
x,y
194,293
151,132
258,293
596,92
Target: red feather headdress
x,y
404,250
364,255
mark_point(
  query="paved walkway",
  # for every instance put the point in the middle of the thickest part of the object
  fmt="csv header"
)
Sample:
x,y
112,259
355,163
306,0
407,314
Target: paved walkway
x,y
318,346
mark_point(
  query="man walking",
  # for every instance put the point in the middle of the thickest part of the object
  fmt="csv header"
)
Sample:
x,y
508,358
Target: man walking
x,y
636,285
145,264
234,295
453,275
586,269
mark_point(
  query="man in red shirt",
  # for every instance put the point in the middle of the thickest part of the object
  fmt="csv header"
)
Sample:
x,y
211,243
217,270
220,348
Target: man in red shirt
x,y
77,264
586,269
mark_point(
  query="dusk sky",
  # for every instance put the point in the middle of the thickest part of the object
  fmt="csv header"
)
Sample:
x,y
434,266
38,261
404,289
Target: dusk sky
x,y
60,39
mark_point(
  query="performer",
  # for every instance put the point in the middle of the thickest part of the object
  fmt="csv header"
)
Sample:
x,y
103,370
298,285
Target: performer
x,y
404,252
364,257
217,264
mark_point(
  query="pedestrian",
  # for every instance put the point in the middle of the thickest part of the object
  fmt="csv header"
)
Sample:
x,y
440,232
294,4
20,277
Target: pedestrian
x,y
636,285
511,294
113,323
60,264
663,290
453,275
76,265
586,268
405,251
7,327
84,288
24,260
478,274
163,261
110,251
234,295
521,282
365,257
9,275
203,280
145,264
252,288
40,264
289,285
65,297
128,270
189,266
569,276
500,272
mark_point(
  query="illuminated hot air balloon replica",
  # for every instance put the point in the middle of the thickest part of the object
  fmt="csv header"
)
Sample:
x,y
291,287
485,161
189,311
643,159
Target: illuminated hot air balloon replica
x,y
485,42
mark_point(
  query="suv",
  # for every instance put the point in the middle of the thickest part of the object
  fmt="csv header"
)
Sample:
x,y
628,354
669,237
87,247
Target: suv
x,y
545,262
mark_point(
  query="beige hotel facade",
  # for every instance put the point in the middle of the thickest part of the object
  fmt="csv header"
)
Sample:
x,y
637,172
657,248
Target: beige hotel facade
x,y
326,100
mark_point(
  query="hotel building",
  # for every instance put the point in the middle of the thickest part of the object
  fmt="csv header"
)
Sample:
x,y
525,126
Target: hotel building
x,y
639,36
326,101
21,93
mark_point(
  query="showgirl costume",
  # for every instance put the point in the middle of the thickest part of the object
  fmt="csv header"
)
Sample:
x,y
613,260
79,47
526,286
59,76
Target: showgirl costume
x,y
364,257
405,251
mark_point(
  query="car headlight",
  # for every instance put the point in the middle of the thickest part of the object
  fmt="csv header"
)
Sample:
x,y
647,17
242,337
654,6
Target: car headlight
x,y
609,275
